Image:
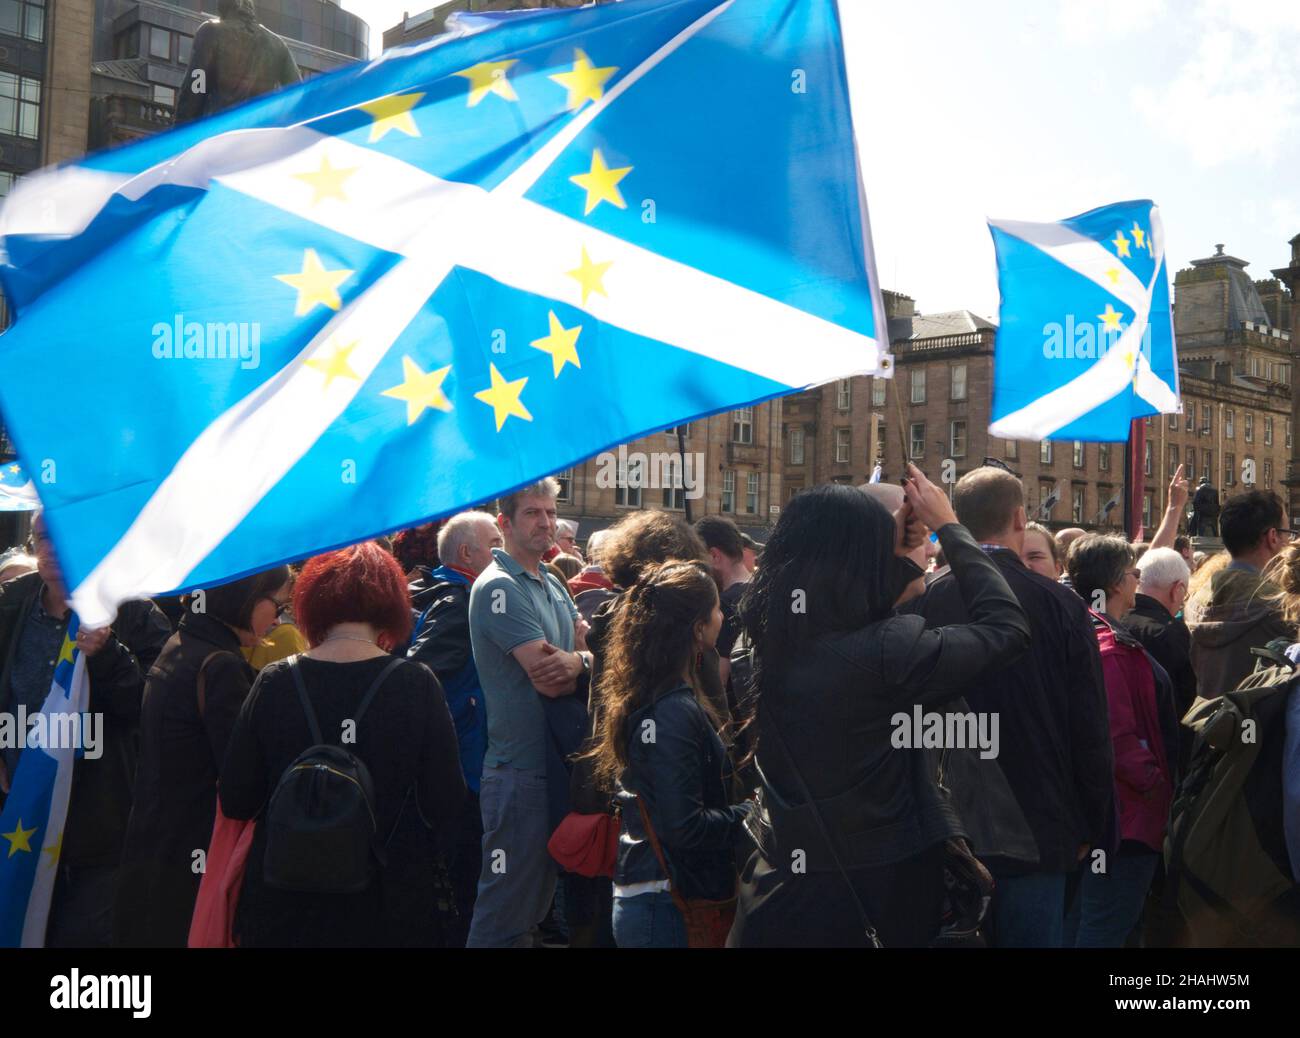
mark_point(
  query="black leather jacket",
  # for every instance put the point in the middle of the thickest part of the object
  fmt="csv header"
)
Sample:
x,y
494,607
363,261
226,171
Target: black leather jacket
x,y
677,766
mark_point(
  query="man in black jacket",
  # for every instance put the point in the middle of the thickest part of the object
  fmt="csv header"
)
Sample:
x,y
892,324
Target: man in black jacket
x,y
1055,739
1156,623
33,619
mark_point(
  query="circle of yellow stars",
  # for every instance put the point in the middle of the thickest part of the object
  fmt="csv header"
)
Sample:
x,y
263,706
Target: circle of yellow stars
x,y
318,284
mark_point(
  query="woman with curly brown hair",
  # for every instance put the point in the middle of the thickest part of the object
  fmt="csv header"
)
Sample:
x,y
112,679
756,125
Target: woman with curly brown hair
x,y
657,737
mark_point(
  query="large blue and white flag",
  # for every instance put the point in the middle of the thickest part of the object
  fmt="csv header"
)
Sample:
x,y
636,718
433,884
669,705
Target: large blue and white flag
x,y
1085,340
31,824
417,283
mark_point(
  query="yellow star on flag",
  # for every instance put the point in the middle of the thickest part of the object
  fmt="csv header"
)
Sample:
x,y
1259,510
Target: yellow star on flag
x,y
1114,275
1121,245
1139,236
19,839
13,469
326,182
392,113
601,183
561,344
65,650
489,77
420,390
1110,318
315,284
584,82
503,398
54,850
337,365
590,276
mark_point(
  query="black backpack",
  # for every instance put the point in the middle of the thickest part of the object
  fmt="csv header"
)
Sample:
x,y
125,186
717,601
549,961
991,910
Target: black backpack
x,y
1225,851
321,826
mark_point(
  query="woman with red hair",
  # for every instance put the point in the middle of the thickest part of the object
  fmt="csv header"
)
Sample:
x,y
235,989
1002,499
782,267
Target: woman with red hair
x,y
353,607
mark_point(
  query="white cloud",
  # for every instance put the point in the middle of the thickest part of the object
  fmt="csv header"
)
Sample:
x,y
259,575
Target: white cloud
x,y
1101,21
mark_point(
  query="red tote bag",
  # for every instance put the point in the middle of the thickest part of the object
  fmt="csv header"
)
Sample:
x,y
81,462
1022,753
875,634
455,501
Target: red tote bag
x,y
214,911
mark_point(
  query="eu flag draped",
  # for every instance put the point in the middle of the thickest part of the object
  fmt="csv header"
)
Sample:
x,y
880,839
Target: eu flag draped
x,y
418,283
31,825
1085,342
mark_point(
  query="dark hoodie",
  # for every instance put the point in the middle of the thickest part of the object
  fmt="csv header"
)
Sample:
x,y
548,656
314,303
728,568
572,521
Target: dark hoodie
x,y
1242,615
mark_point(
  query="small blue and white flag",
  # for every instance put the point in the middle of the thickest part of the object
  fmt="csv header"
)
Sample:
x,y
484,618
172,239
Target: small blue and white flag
x,y
31,824
17,491
1085,341
406,286
875,474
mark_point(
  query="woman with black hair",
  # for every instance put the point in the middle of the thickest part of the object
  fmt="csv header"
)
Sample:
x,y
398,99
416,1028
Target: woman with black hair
x,y
852,826
191,699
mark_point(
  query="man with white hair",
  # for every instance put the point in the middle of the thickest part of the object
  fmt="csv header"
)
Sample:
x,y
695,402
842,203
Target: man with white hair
x,y
442,643
591,587
1155,619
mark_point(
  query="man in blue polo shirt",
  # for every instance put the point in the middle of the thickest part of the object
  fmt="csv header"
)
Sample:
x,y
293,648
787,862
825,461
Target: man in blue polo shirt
x,y
524,629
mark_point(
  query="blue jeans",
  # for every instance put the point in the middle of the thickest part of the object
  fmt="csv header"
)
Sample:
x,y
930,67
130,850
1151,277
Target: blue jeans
x,y
517,879
648,921
1029,911
1109,904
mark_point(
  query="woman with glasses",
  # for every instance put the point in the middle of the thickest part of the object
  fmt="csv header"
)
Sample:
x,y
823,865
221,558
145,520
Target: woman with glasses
x,y
191,699
1144,736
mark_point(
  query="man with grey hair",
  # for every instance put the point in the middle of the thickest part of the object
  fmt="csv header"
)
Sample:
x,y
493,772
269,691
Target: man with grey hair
x,y
591,587
442,643
566,540
529,646
1156,620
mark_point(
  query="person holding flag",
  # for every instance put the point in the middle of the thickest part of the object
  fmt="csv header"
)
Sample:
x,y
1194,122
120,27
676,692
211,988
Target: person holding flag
x,y
81,842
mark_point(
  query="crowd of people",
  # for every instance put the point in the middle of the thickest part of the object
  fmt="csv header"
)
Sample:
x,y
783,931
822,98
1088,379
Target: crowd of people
x,y
480,735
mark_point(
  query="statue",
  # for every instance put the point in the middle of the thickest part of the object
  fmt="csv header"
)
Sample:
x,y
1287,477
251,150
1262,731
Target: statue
x,y
1205,510
234,59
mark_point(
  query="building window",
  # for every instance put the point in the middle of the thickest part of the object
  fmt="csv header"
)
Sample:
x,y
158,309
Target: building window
x,y
957,439
1228,431
1207,420
1045,452
20,105
160,43
1250,427
674,492
25,18
625,494
880,442
6,182
1011,449
1229,470
751,494
742,425
1173,423
565,479
1207,462
1189,413
843,442
1173,460
729,490
1147,460
1076,505
1045,503
1146,510
164,95
918,385
918,439
1078,454
1103,457
959,381
1190,469
844,395
1268,430
184,49
1268,474
1288,434
878,392
796,445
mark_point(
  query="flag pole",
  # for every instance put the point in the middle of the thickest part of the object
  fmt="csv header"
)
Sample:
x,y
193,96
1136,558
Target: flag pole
x,y
902,425
1135,478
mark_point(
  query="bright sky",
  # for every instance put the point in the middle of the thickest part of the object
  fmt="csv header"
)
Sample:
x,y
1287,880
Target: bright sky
x,y
1040,109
